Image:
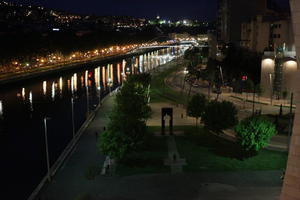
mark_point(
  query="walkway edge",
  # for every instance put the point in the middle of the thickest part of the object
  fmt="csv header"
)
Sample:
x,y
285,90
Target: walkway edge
x,y
67,151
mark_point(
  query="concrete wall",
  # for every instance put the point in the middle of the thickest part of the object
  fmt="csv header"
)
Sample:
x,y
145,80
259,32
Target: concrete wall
x,y
291,186
267,69
289,70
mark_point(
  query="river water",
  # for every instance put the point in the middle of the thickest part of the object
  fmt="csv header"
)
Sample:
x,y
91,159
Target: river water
x,y
24,105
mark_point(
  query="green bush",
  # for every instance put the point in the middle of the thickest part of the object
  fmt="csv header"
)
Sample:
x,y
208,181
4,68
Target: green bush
x,y
113,143
196,106
220,115
254,133
127,127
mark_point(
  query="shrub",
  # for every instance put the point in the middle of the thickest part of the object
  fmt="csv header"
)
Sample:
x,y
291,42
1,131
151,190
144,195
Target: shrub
x,y
196,106
254,133
220,115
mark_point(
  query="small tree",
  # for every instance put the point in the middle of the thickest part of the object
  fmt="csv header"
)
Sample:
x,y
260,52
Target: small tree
x,y
254,133
196,106
220,115
127,127
114,144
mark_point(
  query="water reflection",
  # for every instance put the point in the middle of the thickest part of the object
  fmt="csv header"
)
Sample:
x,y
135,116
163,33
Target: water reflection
x,y
60,86
45,88
53,91
23,93
30,101
1,109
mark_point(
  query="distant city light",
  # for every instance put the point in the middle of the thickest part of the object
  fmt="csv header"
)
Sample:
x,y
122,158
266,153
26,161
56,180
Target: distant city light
x,y
55,29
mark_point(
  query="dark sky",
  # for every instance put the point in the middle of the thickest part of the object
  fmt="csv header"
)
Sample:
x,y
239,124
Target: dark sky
x,y
170,9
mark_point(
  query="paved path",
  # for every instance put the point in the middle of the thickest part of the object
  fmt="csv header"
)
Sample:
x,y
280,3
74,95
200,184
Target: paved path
x,y
70,180
174,160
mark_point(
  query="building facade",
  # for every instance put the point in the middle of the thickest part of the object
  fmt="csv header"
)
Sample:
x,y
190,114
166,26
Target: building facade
x,y
291,185
232,13
278,72
267,32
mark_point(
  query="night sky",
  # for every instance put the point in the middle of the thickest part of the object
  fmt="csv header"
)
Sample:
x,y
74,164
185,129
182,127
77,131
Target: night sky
x,y
168,9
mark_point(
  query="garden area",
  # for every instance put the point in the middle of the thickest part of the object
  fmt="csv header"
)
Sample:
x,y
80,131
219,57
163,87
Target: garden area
x,y
205,151
139,150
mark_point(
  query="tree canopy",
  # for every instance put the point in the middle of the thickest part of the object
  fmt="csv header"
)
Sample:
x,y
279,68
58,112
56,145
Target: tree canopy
x,y
196,106
254,133
127,126
219,116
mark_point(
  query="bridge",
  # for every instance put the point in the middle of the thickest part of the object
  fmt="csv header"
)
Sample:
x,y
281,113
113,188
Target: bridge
x,y
170,44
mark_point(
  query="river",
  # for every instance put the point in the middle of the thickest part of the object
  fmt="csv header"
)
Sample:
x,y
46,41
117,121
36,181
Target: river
x,y
24,105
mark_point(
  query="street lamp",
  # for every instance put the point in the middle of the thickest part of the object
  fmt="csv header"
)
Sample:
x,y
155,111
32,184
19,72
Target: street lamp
x,y
185,72
73,122
47,150
271,96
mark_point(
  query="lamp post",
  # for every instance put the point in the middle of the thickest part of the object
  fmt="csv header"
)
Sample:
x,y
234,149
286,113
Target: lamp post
x,y
290,121
87,100
185,72
47,150
271,96
73,122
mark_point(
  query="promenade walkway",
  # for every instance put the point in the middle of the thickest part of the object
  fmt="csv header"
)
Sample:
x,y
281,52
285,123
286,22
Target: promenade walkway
x,y
71,181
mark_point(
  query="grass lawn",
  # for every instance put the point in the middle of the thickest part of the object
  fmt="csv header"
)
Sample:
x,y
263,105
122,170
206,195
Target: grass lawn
x,y
149,159
204,151
160,92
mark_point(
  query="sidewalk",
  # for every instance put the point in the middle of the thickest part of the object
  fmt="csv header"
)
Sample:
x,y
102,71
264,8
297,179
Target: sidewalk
x,y
70,180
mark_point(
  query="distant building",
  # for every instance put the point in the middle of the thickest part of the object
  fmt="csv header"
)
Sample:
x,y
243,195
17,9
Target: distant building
x,y
232,13
267,32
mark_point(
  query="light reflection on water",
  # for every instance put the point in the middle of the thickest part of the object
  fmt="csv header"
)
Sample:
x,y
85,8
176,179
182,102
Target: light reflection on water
x,y
1,109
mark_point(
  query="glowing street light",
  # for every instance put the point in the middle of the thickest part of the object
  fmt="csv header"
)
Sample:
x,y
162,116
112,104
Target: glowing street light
x,y
47,149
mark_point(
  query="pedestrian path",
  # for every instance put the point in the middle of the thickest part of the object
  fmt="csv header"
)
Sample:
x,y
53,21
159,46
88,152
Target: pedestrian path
x,y
71,180
173,160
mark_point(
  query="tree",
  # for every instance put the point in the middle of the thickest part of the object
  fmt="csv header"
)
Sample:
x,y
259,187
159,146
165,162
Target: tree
x,y
127,126
113,144
196,106
254,133
220,115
